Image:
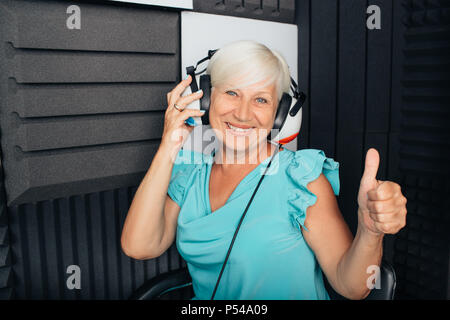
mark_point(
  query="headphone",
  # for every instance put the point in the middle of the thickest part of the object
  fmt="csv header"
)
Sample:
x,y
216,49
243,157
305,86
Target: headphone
x,y
288,118
288,121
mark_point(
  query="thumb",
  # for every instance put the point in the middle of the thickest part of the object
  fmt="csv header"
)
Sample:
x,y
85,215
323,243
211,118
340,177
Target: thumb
x,y
371,167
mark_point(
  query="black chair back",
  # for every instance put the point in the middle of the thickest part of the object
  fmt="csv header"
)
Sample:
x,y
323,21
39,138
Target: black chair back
x,y
177,285
388,282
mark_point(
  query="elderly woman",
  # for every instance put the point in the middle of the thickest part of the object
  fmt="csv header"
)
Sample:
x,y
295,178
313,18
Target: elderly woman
x,y
293,229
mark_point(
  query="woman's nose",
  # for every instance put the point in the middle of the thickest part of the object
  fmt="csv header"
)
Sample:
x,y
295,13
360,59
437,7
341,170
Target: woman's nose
x,y
243,111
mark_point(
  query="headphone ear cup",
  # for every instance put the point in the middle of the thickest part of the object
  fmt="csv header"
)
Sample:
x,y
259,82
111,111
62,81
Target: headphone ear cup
x,y
282,111
205,100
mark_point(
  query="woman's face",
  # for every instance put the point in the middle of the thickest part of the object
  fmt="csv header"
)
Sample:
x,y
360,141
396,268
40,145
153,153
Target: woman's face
x,y
252,109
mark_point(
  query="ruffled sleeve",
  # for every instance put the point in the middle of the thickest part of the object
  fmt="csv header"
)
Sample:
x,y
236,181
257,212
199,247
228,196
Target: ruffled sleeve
x,y
185,164
305,166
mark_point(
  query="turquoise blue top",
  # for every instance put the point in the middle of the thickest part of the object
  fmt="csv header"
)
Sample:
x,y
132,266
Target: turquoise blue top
x,y
270,259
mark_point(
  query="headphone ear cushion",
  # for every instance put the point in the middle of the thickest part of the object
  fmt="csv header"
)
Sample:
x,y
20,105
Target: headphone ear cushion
x,y
205,100
282,111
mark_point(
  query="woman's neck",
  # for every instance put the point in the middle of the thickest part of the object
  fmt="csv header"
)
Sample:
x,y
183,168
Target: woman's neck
x,y
229,159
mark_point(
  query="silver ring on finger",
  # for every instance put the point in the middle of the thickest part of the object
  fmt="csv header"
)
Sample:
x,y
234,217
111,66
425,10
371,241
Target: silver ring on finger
x,y
178,107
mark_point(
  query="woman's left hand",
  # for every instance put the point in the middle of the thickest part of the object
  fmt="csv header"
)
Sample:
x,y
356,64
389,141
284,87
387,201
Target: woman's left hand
x,y
382,206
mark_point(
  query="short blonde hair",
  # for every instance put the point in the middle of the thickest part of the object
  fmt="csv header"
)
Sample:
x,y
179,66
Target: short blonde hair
x,y
252,62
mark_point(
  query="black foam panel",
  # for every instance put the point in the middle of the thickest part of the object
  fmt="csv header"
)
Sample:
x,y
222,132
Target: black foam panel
x,y
270,10
82,110
422,247
386,89
82,230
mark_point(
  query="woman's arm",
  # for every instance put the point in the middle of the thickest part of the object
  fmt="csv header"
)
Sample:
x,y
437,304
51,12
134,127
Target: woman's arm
x,y
151,220
150,225
345,260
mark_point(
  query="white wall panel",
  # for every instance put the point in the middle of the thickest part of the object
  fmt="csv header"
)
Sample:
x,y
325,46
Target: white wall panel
x,y
201,32
183,4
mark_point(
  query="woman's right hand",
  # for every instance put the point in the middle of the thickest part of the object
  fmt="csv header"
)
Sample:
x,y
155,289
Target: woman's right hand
x,y
175,130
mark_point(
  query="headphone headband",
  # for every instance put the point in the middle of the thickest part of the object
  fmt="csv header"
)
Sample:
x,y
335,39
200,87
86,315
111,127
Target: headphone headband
x,y
191,71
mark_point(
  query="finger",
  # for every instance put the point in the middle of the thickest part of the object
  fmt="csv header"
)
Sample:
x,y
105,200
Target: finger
x,y
381,227
382,206
371,167
384,191
186,113
388,227
383,217
186,100
402,201
179,89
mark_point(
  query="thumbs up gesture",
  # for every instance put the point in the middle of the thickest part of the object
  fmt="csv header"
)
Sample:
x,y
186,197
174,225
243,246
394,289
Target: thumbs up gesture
x,y
382,206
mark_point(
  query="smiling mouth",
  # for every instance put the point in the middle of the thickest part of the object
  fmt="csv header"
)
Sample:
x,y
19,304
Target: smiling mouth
x,y
237,129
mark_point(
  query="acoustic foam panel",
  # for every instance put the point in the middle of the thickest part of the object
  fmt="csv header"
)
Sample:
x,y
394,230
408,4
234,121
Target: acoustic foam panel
x,y
82,230
82,110
422,247
269,10
6,274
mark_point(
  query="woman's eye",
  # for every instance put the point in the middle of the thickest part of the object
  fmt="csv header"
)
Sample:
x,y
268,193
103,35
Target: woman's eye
x,y
232,92
262,100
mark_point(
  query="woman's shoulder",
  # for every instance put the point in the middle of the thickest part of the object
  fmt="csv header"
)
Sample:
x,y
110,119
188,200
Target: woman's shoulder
x,y
187,157
188,161
309,158
186,164
306,165
302,167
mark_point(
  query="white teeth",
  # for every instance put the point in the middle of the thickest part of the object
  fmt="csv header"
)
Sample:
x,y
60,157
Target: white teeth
x,y
238,129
